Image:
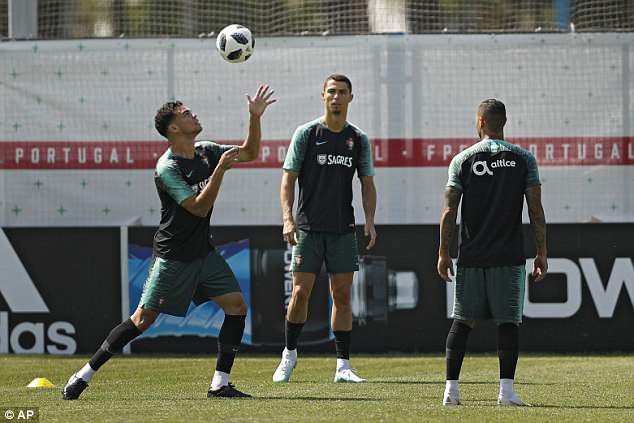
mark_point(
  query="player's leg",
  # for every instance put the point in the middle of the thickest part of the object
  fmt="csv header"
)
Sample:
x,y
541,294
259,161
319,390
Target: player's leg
x,y
340,289
296,315
118,338
168,289
469,305
308,256
219,284
229,340
342,260
506,287
456,347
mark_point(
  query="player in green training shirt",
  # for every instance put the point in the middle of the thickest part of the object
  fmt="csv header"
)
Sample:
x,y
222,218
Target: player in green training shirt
x,y
186,266
323,157
492,177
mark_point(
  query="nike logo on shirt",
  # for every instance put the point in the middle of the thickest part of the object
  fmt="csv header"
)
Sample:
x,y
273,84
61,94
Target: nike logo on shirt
x,y
320,142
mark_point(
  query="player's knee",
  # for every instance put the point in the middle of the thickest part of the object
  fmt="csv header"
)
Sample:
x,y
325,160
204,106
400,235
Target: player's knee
x,y
239,308
301,295
341,298
235,306
143,319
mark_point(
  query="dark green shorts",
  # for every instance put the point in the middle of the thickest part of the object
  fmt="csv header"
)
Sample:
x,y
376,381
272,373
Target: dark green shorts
x,y
171,285
339,251
490,293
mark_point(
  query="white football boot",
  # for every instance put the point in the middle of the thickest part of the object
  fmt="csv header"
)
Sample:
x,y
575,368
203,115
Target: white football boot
x,y
511,400
348,375
285,369
450,400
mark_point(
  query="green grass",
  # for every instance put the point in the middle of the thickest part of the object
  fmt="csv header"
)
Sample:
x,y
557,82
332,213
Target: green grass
x,y
562,388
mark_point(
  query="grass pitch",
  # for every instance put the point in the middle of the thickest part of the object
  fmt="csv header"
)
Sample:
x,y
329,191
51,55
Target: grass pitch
x,y
562,388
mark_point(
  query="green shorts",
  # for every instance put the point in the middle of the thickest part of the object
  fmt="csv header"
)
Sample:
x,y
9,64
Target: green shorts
x,y
339,251
171,285
490,292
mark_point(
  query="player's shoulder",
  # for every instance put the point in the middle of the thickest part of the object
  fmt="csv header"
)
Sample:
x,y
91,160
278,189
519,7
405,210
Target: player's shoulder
x,y
166,162
358,131
303,131
479,147
516,149
206,144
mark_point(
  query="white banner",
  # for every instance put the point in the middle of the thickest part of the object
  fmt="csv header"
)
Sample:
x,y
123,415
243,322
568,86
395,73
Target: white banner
x,y
77,142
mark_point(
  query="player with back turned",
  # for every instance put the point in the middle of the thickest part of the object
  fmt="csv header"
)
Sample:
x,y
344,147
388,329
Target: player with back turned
x,y
186,267
492,177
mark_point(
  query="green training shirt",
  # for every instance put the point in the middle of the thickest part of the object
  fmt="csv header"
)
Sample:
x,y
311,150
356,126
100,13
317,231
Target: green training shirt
x,y
493,176
326,162
182,235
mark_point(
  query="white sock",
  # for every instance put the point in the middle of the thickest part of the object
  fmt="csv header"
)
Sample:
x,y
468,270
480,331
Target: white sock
x,y
452,388
289,354
343,364
506,387
86,373
219,380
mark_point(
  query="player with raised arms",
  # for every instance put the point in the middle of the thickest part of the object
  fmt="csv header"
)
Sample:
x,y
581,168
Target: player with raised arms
x,y
186,267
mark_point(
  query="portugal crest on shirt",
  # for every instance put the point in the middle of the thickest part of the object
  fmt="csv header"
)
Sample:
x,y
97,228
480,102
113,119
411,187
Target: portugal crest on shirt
x,y
321,159
350,143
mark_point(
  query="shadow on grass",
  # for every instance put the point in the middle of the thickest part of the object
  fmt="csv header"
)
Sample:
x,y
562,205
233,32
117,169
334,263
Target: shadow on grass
x,y
304,398
437,382
488,403
584,407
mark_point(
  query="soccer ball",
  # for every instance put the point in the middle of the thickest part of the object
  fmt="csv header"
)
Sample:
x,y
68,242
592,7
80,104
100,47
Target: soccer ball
x,y
235,43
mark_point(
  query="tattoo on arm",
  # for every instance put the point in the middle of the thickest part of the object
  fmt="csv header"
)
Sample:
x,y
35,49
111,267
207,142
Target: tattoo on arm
x,y
537,217
448,219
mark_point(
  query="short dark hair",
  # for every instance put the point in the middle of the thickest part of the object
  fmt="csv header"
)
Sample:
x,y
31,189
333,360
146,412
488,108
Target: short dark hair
x,y
494,113
164,116
339,78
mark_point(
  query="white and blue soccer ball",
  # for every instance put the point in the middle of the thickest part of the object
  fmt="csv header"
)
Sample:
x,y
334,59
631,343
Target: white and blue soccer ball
x,y
235,43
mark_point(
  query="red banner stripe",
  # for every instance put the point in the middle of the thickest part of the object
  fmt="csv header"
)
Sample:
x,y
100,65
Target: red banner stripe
x,y
392,152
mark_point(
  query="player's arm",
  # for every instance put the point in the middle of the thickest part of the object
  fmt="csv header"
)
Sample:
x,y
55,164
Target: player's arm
x,y
447,228
292,167
250,148
287,198
199,205
366,173
538,223
368,196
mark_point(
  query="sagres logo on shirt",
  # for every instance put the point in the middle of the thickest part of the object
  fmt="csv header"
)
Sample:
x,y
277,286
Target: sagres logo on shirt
x,y
332,160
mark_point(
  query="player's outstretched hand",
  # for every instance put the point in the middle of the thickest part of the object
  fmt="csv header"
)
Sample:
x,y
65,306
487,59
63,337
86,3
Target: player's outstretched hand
x,y
445,267
289,232
229,158
371,232
540,267
262,100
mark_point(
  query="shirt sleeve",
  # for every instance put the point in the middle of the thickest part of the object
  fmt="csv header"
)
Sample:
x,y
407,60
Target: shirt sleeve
x,y
455,169
296,150
532,176
173,183
215,151
366,164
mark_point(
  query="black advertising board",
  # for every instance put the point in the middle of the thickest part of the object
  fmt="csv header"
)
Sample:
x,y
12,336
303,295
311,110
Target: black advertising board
x,y
400,304
60,289
60,292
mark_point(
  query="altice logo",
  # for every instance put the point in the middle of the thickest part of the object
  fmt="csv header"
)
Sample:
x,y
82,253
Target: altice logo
x,y
482,167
